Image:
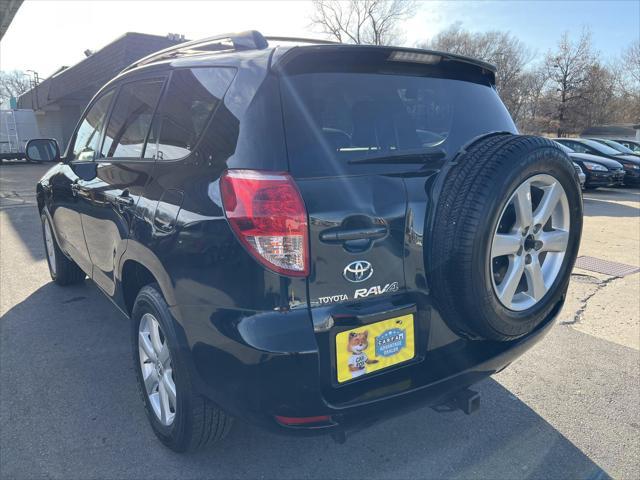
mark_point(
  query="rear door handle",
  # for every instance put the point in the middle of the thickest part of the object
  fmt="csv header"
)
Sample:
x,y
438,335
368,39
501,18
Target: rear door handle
x,y
78,190
124,199
342,235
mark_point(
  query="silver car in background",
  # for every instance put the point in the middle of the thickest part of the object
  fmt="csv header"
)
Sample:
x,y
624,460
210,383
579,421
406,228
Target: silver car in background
x,y
581,175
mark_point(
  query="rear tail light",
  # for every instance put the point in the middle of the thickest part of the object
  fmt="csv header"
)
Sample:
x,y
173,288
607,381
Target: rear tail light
x,y
266,212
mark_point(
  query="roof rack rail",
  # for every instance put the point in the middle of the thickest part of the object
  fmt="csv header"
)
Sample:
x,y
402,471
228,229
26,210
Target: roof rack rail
x,y
302,40
249,40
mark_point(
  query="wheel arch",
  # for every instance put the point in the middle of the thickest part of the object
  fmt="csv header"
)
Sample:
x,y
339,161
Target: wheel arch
x,y
44,210
139,267
40,197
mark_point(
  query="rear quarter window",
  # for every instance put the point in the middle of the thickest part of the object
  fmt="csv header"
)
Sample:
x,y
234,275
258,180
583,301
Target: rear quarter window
x,y
191,97
334,118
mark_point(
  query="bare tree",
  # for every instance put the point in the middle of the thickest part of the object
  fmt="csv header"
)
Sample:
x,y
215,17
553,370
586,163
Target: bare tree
x,y
502,49
532,85
627,70
568,69
631,61
373,22
599,103
12,84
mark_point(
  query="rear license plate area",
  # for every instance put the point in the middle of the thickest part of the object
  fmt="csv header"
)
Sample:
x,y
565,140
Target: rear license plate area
x,y
374,347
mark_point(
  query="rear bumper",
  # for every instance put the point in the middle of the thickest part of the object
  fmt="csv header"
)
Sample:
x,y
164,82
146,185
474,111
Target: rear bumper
x,y
432,393
259,382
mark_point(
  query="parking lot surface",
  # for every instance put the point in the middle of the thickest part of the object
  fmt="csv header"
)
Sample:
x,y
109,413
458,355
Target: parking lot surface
x,y
69,408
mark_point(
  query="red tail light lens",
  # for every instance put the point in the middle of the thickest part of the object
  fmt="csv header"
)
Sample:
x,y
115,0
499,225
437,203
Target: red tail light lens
x,y
266,212
303,420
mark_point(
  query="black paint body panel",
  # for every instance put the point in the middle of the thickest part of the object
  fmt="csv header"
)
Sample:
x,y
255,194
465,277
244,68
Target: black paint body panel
x,y
258,343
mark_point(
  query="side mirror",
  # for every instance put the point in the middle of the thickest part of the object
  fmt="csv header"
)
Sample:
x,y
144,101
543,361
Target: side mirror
x,y
42,150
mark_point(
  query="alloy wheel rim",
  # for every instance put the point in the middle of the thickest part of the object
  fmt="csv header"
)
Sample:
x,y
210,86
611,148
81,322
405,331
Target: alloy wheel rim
x,y
48,242
530,242
157,369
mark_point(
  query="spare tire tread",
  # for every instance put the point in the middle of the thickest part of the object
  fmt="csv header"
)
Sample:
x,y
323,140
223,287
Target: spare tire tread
x,y
446,223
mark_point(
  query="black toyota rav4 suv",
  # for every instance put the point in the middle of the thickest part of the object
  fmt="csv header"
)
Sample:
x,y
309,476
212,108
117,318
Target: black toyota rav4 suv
x,y
310,236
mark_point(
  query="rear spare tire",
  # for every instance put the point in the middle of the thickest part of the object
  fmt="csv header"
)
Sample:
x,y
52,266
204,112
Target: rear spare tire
x,y
505,236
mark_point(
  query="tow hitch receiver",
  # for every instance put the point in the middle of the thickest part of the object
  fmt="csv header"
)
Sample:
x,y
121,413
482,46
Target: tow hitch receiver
x,y
466,400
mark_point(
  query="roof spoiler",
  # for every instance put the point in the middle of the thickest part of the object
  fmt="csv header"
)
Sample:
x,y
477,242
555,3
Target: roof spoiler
x,y
249,40
313,41
432,59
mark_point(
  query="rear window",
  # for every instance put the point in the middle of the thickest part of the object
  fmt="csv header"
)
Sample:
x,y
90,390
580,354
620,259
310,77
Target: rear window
x,y
335,120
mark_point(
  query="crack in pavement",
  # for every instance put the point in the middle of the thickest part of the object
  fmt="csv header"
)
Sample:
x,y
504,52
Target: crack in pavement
x,y
584,302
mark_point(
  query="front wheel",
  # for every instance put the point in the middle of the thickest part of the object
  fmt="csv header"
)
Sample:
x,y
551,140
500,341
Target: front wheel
x,y
181,418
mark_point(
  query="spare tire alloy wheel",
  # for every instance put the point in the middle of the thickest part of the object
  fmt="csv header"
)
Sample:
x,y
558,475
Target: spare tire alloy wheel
x,y
505,235
157,369
530,242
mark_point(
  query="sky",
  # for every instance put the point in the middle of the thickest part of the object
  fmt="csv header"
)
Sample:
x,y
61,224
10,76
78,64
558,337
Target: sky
x,y
46,34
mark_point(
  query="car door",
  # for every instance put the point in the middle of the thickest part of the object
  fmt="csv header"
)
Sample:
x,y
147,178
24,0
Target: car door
x,y
67,199
121,174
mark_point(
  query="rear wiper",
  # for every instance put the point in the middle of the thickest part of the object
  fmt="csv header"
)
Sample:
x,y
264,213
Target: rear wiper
x,y
418,157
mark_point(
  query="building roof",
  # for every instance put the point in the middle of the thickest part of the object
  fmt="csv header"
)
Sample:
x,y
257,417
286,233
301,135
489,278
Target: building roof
x,y
8,9
621,130
78,83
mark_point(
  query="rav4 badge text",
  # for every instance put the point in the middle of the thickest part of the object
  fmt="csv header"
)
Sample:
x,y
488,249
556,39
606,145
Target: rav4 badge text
x,y
376,290
361,293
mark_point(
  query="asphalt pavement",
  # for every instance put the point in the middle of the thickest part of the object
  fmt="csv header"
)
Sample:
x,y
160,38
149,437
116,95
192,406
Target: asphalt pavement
x,y
69,408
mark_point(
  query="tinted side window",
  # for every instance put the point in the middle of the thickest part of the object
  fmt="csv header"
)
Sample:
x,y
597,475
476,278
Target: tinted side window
x,y
87,139
192,96
130,119
578,147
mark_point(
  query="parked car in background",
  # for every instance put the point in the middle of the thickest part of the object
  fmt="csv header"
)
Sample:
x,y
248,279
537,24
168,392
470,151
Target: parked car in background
x,y
616,146
389,241
630,163
599,171
581,175
630,144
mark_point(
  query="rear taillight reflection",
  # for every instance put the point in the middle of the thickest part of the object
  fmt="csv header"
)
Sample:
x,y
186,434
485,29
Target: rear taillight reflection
x,y
320,419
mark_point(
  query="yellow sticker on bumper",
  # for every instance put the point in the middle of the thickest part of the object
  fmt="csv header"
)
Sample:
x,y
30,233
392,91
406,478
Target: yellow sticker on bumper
x,y
373,347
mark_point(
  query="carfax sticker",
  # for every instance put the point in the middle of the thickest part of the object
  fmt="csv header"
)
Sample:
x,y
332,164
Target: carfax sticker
x,y
374,347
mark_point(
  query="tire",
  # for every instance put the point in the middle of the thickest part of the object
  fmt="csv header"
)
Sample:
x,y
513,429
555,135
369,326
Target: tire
x,y
477,193
192,421
62,270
